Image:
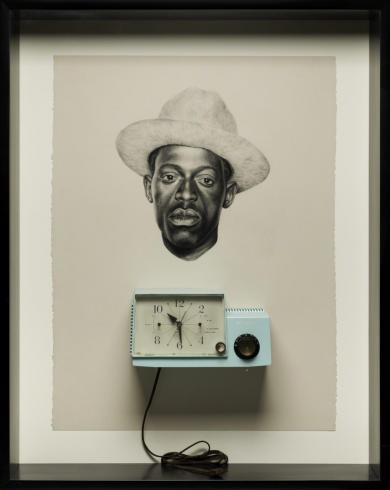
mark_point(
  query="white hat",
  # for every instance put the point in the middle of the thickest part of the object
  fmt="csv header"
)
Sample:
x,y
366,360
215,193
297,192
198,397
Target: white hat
x,y
196,118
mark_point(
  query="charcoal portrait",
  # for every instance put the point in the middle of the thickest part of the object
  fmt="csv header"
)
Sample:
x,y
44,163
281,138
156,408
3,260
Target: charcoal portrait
x,y
160,179
193,163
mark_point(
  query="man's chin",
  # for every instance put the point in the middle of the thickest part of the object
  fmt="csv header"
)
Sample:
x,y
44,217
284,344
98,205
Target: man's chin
x,y
183,238
189,245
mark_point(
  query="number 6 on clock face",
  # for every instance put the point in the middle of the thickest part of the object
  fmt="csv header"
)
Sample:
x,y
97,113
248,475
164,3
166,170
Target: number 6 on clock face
x,y
182,325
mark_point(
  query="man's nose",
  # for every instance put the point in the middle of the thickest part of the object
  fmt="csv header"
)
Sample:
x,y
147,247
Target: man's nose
x,y
186,191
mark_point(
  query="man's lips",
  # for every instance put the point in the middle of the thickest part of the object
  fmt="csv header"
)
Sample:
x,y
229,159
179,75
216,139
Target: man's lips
x,y
184,217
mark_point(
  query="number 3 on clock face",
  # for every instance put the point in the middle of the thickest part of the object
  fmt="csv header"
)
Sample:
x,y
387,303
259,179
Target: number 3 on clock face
x,y
182,325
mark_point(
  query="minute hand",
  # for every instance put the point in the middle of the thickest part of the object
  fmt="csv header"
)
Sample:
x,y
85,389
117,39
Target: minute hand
x,y
179,325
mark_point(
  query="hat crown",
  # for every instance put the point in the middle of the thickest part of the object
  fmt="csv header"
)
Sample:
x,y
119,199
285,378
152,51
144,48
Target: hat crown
x,y
199,106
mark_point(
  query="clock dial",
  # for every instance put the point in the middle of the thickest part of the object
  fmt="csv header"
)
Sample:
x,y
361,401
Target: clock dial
x,y
172,325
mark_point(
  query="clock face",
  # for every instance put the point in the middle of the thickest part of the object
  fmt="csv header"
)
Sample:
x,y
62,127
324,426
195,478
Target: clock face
x,y
182,326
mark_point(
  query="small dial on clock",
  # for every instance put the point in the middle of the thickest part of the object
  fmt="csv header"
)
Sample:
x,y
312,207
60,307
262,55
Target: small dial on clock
x,y
172,325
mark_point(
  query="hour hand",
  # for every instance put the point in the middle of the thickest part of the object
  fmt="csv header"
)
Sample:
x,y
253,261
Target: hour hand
x,y
172,318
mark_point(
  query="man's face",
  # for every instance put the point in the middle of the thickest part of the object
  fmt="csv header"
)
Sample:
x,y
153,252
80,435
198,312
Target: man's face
x,y
188,189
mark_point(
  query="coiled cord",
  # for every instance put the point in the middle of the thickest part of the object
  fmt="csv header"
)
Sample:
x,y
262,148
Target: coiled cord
x,y
210,462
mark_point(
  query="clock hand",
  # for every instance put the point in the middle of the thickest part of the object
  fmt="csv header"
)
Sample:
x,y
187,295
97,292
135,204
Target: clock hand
x,y
172,318
179,325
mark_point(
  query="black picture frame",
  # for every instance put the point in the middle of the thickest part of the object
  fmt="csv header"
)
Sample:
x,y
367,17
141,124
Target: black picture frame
x,y
153,476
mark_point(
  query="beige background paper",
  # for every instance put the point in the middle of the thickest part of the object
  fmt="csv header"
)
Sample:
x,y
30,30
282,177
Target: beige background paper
x,y
275,249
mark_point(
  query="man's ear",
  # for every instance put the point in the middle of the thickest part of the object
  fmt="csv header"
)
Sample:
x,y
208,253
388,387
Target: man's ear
x,y
148,187
231,191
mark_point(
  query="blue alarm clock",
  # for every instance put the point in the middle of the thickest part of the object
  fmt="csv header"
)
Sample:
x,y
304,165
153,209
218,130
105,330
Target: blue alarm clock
x,y
194,328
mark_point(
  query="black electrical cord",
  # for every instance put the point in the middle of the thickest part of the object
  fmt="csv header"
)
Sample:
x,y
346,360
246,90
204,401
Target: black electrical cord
x,y
210,462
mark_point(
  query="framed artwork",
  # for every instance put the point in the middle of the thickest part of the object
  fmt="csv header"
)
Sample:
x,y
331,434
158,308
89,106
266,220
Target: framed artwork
x,y
236,149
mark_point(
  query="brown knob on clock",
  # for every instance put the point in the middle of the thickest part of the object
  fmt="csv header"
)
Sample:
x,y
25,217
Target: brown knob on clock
x,y
246,346
220,347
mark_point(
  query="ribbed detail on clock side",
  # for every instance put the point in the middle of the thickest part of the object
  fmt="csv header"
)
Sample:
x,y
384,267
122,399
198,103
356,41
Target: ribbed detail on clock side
x,y
131,327
242,310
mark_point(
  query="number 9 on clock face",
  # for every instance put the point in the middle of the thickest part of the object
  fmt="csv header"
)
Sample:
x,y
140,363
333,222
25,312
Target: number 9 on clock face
x,y
182,325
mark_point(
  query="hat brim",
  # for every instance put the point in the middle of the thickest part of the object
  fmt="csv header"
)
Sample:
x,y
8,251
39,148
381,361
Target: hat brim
x,y
138,140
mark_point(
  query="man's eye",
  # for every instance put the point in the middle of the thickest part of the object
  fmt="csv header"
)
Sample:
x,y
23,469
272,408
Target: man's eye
x,y
168,178
206,181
